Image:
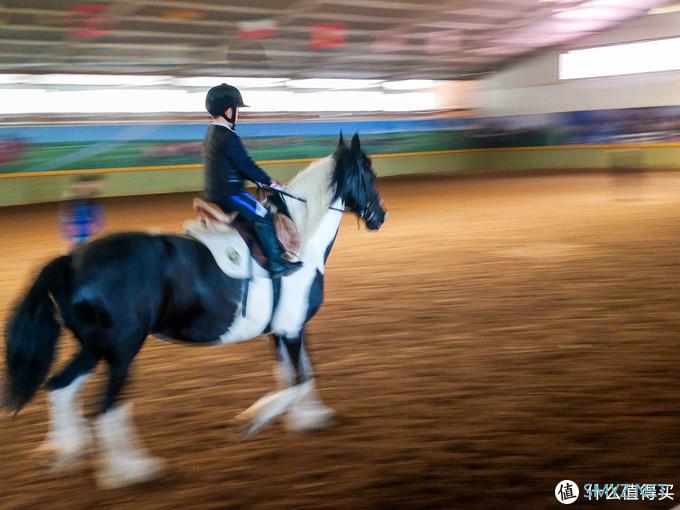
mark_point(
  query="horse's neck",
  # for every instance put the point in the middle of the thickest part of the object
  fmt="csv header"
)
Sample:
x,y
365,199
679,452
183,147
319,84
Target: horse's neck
x,y
315,217
316,248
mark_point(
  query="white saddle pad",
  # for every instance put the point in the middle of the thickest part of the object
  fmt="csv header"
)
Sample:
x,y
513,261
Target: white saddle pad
x,y
229,250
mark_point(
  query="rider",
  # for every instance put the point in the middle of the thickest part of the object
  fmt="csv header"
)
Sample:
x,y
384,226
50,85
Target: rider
x,y
227,165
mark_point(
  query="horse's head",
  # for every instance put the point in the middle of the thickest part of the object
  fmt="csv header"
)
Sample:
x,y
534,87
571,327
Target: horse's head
x,y
354,182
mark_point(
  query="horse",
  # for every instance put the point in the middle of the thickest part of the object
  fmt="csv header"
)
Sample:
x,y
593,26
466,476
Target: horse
x,y
112,292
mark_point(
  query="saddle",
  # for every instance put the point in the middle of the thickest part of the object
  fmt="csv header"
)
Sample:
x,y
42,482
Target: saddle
x,y
232,240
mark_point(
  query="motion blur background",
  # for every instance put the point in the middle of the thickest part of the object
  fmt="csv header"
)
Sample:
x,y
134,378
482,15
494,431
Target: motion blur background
x,y
533,335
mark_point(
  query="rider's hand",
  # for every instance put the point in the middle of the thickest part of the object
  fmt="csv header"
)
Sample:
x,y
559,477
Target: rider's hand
x,y
275,185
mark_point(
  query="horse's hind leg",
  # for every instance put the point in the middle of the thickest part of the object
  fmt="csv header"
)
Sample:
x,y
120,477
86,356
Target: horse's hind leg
x,y
294,369
68,436
123,458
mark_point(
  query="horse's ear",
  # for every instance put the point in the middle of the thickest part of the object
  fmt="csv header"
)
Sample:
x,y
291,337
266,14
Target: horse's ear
x,y
356,145
341,140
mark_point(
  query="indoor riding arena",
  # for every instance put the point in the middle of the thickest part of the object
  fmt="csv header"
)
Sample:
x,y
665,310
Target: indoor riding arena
x,y
507,339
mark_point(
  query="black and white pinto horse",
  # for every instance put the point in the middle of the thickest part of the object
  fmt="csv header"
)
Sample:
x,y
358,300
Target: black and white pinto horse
x,y
114,291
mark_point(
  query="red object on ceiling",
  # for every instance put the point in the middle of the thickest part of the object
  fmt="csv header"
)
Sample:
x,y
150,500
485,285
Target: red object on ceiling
x,y
89,21
327,35
257,29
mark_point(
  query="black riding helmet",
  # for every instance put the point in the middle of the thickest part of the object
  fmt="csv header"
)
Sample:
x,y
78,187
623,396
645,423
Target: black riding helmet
x,y
221,97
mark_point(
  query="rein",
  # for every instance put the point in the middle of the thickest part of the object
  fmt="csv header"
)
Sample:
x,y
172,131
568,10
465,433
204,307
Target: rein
x,y
284,193
299,199
362,213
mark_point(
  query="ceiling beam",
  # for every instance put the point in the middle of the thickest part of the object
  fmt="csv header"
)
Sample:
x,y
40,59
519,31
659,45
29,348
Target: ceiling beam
x,y
203,6
117,33
379,4
432,14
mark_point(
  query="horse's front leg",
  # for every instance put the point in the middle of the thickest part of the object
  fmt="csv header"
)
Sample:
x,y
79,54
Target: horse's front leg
x,y
294,369
296,394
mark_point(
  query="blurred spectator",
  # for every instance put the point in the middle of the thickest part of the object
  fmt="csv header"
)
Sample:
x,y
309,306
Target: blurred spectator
x,y
80,215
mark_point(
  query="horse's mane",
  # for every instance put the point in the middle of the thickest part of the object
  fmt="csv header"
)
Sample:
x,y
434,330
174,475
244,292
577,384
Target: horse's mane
x,y
345,177
317,185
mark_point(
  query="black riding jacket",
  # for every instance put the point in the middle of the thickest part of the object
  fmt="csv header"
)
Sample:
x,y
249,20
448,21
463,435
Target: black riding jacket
x,y
227,164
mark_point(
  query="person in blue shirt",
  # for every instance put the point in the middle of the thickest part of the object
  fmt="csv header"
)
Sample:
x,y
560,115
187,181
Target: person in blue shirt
x,y
81,217
228,166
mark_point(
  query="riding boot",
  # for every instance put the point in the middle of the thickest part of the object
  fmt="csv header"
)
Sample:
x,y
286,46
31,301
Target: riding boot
x,y
278,265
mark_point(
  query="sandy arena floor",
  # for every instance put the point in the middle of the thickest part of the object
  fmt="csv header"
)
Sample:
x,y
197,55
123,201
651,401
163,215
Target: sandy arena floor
x,y
496,337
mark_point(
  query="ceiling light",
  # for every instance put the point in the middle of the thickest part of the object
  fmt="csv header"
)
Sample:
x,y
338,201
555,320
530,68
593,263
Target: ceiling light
x,y
97,79
8,79
409,84
331,83
210,81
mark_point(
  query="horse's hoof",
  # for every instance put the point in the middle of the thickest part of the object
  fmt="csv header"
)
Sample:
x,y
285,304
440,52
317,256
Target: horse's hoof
x,y
309,413
130,472
307,420
57,461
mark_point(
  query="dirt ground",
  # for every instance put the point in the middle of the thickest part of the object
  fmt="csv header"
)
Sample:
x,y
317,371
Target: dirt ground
x,y
496,337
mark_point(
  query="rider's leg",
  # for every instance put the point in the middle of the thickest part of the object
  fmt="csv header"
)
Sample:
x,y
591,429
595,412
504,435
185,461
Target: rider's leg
x,y
266,234
246,205
256,214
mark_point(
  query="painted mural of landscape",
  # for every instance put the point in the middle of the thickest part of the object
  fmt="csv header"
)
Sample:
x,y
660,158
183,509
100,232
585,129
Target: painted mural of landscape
x,y
79,147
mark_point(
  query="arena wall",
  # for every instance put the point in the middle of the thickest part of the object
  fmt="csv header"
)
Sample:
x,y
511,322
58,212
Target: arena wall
x,y
120,182
38,163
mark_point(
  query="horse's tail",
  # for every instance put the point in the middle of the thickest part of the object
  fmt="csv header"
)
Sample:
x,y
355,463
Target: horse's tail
x,y
32,332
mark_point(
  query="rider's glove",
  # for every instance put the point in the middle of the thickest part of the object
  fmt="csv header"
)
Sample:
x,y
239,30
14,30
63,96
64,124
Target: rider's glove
x,y
275,185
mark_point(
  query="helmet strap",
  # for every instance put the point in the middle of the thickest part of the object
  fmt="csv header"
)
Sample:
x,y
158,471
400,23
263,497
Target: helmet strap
x,y
231,119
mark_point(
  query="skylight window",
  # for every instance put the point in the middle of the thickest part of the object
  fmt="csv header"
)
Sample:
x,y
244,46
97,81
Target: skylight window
x,y
619,59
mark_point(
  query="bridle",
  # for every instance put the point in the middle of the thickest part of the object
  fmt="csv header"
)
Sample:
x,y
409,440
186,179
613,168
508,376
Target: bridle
x,y
366,213
362,212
